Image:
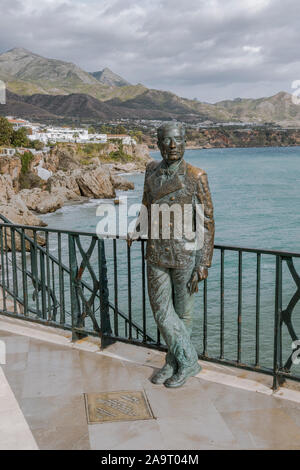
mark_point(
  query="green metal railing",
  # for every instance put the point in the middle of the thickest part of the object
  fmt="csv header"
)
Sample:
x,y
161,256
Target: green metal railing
x,y
64,290
60,278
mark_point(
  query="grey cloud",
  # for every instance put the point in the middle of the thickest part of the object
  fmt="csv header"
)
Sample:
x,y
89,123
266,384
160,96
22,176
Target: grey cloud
x,y
193,48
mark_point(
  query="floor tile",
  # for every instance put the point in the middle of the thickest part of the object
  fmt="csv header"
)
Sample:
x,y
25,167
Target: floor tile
x,y
263,429
62,438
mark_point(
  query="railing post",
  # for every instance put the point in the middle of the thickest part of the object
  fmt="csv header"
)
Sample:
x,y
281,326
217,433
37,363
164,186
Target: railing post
x,y
277,321
3,282
105,326
75,304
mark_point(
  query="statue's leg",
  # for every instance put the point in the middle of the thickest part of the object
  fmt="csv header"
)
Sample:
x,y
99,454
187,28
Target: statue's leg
x,y
184,307
183,300
172,328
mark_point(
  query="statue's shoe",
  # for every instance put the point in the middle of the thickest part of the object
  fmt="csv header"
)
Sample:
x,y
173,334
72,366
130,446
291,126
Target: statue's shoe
x,y
163,374
181,376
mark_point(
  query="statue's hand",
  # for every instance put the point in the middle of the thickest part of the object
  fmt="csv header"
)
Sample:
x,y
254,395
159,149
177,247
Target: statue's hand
x,y
198,275
202,273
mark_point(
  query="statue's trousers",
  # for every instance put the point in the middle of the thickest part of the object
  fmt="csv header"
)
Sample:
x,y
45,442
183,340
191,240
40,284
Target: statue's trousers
x,y
172,306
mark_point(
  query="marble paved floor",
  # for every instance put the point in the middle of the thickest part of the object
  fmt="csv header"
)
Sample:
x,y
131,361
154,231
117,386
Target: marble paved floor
x,y
48,381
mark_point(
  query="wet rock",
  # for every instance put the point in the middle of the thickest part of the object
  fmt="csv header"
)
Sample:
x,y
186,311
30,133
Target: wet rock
x,y
121,183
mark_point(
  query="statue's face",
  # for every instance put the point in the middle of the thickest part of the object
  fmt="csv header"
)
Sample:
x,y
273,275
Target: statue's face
x,y
171,144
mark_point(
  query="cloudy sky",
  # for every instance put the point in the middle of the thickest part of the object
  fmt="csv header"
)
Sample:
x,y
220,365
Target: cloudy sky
x,y
209,49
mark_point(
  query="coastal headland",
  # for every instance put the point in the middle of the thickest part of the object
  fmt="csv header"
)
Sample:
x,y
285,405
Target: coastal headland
x,y
39,183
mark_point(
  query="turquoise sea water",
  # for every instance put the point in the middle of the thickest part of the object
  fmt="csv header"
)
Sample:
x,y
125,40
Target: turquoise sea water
x,y
256,196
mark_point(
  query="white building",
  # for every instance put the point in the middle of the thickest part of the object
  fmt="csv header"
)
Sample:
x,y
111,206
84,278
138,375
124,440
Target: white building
x,y
7,152
63,134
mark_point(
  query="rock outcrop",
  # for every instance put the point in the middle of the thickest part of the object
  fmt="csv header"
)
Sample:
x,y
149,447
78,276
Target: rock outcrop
x,y
41,201
15,210
121,183
92,181
64,182
138,156
63,158
79,181
13,207
11,166
95,182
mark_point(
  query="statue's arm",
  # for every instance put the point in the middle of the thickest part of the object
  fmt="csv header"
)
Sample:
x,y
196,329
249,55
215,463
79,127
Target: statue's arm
x,y
204,255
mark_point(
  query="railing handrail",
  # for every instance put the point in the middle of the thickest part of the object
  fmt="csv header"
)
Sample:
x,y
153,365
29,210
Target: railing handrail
x,y
20,228
218,246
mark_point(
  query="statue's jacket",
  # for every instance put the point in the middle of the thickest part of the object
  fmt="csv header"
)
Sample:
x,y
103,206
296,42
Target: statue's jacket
x,y
186,187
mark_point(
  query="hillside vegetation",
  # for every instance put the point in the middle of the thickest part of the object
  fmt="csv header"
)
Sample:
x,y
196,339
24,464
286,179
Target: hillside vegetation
x,y
50,88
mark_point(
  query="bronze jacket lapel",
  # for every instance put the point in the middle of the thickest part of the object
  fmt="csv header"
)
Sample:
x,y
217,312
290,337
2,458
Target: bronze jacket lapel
x,y
160,186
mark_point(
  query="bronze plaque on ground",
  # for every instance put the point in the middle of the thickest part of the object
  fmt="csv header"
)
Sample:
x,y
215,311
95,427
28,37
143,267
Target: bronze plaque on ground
x,y
117,406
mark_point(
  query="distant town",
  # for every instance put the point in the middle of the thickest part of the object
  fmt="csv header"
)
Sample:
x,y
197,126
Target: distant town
x,y
52,135
42,136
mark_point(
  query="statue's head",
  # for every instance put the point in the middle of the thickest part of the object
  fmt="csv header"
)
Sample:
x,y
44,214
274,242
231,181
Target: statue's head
x,y
171,141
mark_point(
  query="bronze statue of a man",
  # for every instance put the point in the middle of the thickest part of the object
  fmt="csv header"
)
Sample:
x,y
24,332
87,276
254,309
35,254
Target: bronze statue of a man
x,y
173,269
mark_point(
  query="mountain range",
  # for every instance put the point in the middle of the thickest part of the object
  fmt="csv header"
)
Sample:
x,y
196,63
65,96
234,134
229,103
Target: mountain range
x,y
39,87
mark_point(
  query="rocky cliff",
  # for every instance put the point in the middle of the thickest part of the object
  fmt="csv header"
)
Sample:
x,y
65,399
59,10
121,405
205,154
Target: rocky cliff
x,y
11,166
14,208
70,181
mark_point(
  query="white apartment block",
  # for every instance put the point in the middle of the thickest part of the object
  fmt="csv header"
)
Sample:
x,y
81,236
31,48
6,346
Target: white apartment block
x,y
62,134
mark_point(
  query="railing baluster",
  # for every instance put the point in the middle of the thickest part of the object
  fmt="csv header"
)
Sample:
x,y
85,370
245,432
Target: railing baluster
x,y
129,292
257,326
14,267
35,273
62,318
73,299
43,285
3,271
222,307
24,273
116,294
6,257
277,320
103,291
53,316
205,317
144,292
240,300
48,277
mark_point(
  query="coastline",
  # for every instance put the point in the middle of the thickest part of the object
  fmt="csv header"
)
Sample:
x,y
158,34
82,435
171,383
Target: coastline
x,y
120,170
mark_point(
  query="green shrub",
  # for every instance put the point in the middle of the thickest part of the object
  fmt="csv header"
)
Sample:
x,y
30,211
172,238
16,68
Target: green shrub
x,y
6,131
120,155
29,181
26,160
20,139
